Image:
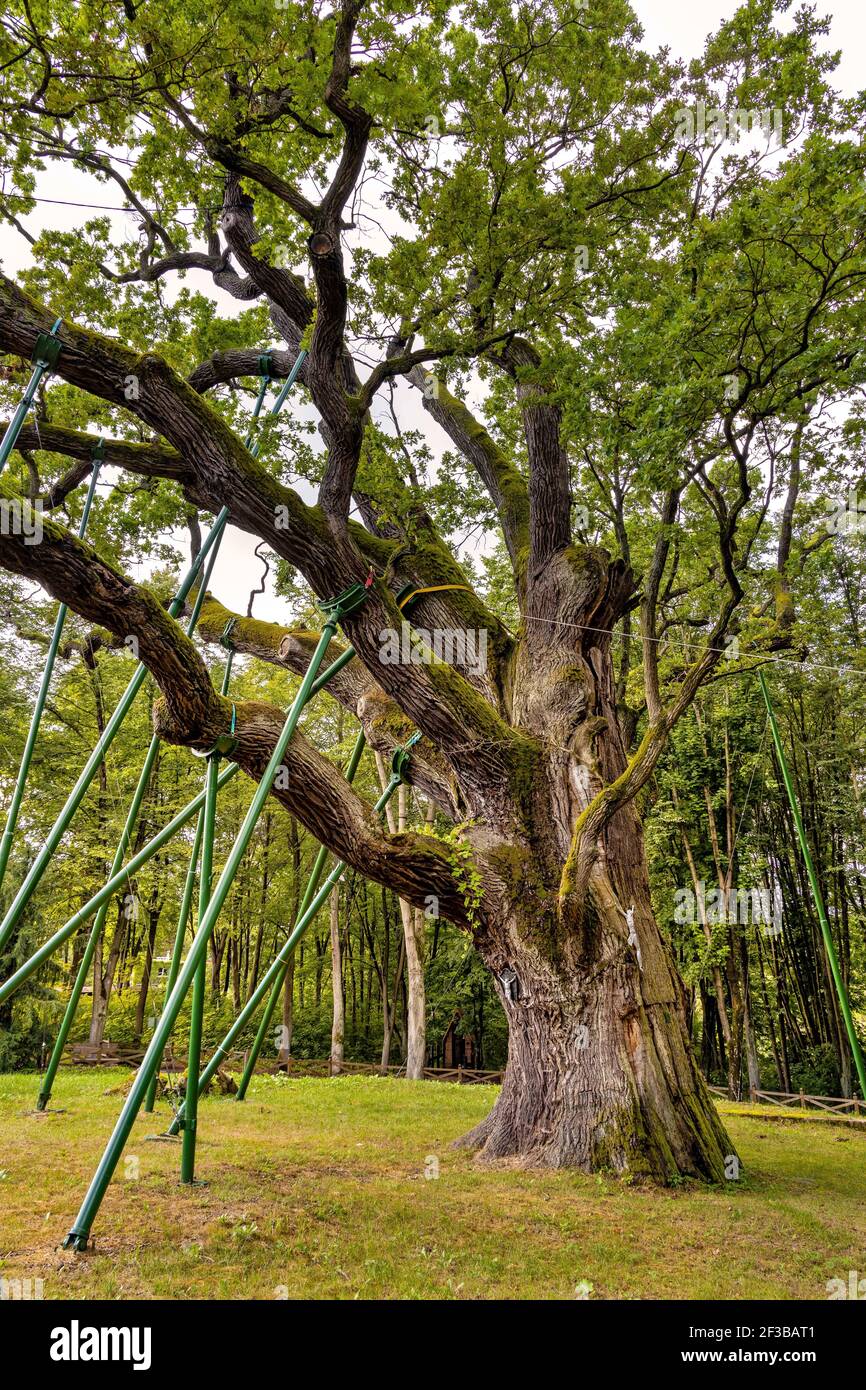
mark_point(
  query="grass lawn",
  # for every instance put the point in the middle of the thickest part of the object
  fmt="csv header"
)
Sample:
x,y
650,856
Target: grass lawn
x,y
317,1189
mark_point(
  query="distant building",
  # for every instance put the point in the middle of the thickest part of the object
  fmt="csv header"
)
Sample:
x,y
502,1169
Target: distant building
x,y
457,1048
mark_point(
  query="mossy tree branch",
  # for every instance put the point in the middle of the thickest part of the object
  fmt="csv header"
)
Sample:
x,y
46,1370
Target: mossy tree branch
x,y
192,714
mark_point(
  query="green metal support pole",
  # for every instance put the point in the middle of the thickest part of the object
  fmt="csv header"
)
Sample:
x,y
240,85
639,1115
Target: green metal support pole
x,y
177,948
107,890
185,909
36,718
179,938
312,885
282,958
190,1124
78,792
76,796
80,1231
816,890
96,932
116,864
45,357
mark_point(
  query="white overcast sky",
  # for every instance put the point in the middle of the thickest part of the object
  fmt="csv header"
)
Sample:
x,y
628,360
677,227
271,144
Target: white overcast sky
x,y
681,25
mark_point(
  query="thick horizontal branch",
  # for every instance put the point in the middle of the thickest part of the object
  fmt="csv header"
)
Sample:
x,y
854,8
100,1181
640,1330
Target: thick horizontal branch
x,y
192,714
290,648
150,459
219,267
233,363
73,572
454,606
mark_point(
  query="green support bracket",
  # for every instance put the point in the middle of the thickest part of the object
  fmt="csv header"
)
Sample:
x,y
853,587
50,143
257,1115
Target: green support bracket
x,y
47,349
401,758
403,596
346,603
223,744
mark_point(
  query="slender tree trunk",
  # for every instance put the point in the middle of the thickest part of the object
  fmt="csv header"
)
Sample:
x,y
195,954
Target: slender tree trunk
x,y
718,984
748,1024
338,1023
263,903
147,965
285,1050
391,1013
412,920
104,983
236,977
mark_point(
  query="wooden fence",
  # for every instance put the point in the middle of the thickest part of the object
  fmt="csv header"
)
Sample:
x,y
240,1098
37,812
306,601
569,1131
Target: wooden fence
x,y
85,1054
800,1099
110,1054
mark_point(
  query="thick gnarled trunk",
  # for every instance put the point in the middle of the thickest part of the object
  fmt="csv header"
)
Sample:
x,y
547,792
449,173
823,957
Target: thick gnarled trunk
x,y
600,1073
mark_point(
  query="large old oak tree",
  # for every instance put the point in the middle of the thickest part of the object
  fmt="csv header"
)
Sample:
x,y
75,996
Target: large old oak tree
x,y
492,204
